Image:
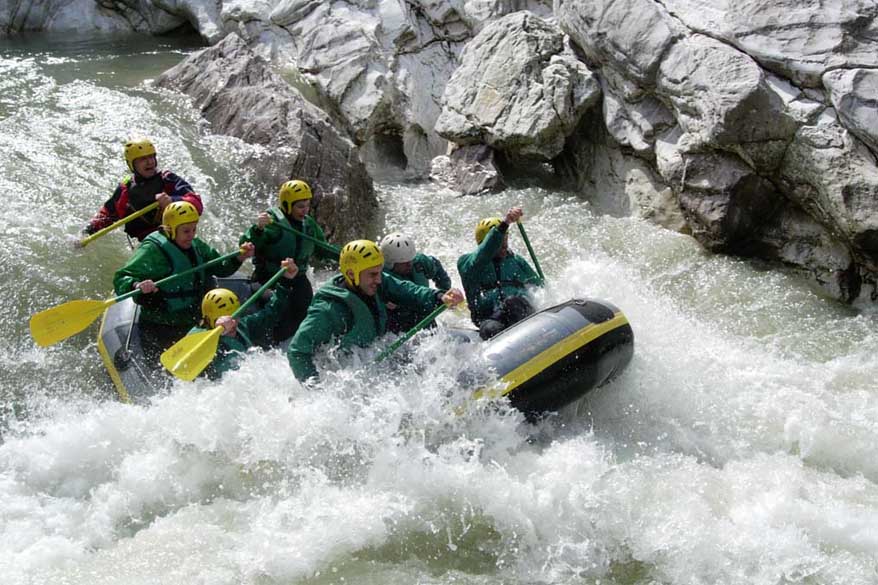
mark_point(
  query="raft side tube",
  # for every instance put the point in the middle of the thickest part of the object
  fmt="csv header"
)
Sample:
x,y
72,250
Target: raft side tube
x,y
119,345
555,356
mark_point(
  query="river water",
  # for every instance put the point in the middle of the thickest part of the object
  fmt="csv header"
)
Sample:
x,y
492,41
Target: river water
x,y
738,447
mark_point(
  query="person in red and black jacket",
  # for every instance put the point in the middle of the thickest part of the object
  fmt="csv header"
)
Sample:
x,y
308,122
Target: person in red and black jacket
x,y
146,185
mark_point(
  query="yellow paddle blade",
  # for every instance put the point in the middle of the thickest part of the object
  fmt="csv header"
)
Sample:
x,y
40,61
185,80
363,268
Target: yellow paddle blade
x,y
52,325
188,357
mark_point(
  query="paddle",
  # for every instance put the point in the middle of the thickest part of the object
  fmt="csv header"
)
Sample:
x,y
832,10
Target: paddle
x,y
87,240
424,322
530,249
188,357
53,325
325,245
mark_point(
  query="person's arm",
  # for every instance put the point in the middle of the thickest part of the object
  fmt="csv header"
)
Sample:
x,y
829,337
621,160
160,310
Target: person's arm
x,y
225,268
106,215
149,265
409,294
490,246
180,190
323,322
439,277
260,324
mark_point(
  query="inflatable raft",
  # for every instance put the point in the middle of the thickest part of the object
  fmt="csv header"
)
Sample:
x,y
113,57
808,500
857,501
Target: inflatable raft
x,y
122,353
557,355
543,363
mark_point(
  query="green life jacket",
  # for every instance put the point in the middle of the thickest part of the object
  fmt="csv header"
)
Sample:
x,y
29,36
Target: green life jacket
x,y
364,329
228,352
183,294
286,247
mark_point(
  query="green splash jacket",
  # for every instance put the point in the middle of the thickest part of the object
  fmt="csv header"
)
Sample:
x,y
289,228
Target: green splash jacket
x,y
274,244
485,283
253,330
424,269
338,314
179,302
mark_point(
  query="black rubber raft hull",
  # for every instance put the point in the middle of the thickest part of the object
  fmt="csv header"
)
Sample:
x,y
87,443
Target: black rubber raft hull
x,y
549,360
559,354
119,345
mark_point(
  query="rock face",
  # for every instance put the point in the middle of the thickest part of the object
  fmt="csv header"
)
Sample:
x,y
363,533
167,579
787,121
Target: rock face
x,y
725,103
240,95
519,89
752,125
469,170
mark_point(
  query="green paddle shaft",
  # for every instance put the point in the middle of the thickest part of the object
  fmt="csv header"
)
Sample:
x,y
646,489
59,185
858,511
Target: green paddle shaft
x,y
173,277
89,239
61,321
325,245
424,322
530,249
256,296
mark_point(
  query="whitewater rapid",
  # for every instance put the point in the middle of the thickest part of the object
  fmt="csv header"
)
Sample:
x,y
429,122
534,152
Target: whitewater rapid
x,y
738,446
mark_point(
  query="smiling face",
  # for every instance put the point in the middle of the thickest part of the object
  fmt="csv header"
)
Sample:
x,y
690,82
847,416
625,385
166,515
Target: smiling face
x,y
145,166
370,280
300,209
185,234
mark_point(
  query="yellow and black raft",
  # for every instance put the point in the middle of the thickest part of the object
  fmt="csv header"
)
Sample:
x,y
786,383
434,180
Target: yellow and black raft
x,y
556,356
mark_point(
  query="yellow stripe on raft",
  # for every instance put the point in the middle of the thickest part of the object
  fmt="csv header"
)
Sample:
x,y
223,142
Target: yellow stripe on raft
x,y
108,362
546,358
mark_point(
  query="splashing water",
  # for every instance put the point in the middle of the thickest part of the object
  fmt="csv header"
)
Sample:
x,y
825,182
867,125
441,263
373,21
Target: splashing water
x,y
736,448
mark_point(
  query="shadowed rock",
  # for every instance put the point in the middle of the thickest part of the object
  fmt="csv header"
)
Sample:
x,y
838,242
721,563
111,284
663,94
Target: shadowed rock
x,y
240,95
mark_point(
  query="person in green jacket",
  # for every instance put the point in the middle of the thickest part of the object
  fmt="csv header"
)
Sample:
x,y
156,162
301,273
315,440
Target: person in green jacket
x,y
274,240
166,314
351,309
495,279
239,335
402,260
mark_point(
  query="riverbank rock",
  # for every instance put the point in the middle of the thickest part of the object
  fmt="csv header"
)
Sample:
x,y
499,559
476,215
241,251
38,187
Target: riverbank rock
x,y
240,95
750,125
468,170
519,89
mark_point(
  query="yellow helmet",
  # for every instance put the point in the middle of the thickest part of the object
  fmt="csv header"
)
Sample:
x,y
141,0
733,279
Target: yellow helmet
x,y
176,214
219,302
136,148
485,226
358,256
293,191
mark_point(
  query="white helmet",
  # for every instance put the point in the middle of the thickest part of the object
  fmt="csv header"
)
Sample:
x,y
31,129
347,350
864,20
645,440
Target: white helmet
x,y
397,249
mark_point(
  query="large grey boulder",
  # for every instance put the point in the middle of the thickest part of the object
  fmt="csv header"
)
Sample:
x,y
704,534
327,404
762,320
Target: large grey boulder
x,y
833,177
795,238
629,36
519,89
240,95
798,39
633,117
468,170
724,200
720,95
854,94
